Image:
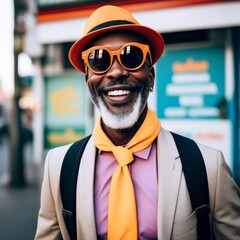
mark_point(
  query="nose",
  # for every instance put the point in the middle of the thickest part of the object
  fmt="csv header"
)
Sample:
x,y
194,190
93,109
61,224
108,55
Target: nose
x,y
116,70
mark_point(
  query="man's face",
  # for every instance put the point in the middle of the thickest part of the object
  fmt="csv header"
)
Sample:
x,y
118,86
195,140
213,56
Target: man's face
x,y
120,95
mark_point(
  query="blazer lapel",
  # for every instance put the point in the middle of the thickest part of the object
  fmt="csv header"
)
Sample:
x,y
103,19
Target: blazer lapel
x,y
169,176
86,228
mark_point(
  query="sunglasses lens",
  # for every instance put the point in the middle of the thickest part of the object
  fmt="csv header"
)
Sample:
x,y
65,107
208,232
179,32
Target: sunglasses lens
x,y
131,57
99,60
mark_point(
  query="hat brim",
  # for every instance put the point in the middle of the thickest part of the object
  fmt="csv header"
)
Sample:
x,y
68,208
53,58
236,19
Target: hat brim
x,y
154,39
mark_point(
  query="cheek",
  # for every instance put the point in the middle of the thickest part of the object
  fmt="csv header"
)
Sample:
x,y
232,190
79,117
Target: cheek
x,y
93,83
143,78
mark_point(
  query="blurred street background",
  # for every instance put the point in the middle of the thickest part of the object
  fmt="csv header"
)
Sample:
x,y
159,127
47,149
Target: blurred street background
x,y
44,101
19,202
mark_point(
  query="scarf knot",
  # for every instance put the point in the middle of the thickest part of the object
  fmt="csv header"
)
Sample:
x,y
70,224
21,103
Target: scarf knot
x,y
123,155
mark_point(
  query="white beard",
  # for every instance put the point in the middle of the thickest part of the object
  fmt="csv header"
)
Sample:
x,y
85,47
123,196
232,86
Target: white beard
x,y
121,120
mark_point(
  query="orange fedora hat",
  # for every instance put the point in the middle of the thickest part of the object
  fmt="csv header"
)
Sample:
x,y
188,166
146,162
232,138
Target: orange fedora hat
x,y
111,18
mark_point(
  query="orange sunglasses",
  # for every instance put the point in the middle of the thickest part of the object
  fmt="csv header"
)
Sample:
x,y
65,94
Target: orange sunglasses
x,y
131,56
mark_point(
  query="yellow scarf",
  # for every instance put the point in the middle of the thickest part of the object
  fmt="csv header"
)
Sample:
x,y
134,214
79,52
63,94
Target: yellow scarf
x,y
122,213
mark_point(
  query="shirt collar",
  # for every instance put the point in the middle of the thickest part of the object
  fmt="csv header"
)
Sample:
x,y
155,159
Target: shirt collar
x,y
144,154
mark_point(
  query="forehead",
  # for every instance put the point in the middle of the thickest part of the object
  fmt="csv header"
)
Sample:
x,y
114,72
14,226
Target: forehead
x,y
117,38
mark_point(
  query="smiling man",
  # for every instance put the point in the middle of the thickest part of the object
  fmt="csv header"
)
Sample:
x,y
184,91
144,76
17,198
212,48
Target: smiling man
x,y
131,183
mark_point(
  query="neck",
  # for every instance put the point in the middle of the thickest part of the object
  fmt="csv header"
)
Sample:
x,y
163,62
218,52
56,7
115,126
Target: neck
x,y
122,136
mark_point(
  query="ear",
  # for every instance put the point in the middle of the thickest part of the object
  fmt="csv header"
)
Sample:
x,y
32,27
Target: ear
x,y
86,72
151,76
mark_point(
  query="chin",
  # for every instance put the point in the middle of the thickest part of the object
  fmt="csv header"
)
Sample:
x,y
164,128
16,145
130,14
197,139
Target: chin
x,y
120,121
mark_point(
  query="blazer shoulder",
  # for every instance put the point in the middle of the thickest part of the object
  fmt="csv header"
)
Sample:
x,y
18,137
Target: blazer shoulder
x,y
213,158
56,155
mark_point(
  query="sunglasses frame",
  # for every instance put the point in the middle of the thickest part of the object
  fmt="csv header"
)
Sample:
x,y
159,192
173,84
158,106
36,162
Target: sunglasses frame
x,y
144,48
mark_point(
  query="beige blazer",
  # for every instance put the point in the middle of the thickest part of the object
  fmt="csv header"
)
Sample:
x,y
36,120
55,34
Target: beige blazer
x,y
176,221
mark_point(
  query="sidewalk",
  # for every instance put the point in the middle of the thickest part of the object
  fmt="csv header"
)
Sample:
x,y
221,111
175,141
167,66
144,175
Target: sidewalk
x,y
18,212
18,206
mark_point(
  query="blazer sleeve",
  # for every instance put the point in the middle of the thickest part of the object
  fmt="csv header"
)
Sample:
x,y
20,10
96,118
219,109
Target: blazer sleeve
x,y
226,205
47,227
50,220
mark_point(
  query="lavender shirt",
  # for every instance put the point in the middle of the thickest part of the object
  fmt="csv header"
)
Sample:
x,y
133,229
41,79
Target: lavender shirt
x,y
144,176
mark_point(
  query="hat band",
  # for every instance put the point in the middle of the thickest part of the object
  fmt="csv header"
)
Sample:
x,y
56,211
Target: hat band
x,y
110,24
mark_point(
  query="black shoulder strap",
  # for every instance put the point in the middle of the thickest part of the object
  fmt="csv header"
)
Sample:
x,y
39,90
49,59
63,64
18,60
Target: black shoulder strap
x,y
68,184
197,183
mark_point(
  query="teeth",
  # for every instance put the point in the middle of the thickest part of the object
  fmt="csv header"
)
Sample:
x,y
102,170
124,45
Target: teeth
x,y
118,92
